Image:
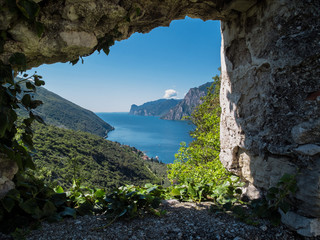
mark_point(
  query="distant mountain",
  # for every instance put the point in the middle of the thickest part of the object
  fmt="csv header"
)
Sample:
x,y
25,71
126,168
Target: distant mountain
x,y
187,105
60,112
154,108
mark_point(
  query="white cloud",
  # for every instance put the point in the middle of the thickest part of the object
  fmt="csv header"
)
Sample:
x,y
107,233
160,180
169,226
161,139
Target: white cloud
x,y
170,93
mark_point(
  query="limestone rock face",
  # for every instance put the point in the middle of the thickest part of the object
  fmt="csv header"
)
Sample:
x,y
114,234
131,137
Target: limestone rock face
x,y
270,58
8,169
76,28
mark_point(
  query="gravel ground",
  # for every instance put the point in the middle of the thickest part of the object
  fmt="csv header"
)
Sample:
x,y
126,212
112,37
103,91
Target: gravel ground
x,y
182,221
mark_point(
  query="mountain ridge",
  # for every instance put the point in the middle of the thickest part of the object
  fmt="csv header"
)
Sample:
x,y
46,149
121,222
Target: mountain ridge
x,y
154,108
63,113
189,102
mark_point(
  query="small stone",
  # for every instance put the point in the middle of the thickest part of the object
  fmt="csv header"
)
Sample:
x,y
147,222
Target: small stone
x,y
308,149
264,228
238,238
176,230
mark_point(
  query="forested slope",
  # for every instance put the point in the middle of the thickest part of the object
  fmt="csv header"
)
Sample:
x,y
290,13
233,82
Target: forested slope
x,y
62,154
60,112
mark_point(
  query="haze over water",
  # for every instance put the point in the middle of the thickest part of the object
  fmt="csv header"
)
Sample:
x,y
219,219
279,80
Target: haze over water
x,y
152,135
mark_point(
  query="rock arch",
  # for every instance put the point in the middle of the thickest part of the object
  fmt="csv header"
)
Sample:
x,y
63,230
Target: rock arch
x,y
270,62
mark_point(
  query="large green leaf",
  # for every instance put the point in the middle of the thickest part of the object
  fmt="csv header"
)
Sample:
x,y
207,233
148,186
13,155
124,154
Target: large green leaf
x,y
49,209
175,192
68,212
37,81
59,198
26,100
29,8
8,203
30,206
59,189
99,193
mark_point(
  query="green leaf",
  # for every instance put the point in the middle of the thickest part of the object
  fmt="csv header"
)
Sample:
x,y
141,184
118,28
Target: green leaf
x,y
234,178
37,81
123,213
39,28
59,198
54,218
30,206
106,50
74,62
49,209
29,8
37,117
273,190
19,60
26,100
284,206
151,189
99,193
8,203
175,192
29,85
138,11
34,104
14,194
68,212
286,178
59,189
128,195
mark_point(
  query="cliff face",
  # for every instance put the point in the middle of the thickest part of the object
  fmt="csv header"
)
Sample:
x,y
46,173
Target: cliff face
x,y
187,105
154,108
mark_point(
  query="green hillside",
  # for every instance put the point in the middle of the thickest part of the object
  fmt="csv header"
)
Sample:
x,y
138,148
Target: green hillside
x,y
60,112
61,154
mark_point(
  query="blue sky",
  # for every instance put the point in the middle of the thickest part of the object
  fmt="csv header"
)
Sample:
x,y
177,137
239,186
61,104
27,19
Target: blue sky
x,y
140,69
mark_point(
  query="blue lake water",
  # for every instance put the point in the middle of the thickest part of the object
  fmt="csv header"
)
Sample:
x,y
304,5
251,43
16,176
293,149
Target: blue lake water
x,y
152,135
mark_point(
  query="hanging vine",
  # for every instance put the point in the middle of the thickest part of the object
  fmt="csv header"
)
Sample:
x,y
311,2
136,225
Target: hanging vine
x,y
16,135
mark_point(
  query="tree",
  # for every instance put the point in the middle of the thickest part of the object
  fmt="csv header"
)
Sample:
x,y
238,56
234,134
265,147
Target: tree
x,y
199,162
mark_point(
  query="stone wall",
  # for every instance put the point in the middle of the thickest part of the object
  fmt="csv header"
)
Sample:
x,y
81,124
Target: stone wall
x,y
270,99
270,60
8,169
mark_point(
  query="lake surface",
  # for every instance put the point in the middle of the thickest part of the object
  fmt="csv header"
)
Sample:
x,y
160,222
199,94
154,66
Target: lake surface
x,y
152,135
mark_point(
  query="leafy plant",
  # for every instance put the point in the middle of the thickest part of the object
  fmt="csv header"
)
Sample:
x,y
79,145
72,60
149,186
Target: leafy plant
x,y
227,192
200,160
29,203
197,171
84,200
16,136
131,201
277,197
